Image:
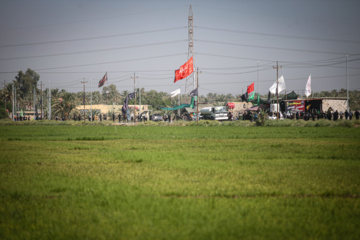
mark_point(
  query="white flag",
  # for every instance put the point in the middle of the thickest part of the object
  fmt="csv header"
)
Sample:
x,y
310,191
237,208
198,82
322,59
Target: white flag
x,y
175,93
281,86
280,83
272,89
308,87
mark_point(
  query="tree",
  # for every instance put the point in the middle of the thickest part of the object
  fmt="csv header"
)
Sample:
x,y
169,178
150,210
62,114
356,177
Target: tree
x,y
25,84
111,94
64,105
6,94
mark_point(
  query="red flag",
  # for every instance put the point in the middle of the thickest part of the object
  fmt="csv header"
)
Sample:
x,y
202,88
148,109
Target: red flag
x,y
103,80
185,70
250,88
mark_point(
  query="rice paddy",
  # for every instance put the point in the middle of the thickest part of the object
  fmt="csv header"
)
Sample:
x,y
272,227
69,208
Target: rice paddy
x,y
160,181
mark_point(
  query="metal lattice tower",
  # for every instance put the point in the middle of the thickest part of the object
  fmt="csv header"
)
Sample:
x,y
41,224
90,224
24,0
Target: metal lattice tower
x,y
190,81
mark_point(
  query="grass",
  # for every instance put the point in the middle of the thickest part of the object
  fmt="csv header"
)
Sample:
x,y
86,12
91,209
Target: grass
x,y
206,181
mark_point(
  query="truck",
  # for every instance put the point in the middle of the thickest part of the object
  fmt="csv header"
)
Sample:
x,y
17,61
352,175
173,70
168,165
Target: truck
x,y
214,113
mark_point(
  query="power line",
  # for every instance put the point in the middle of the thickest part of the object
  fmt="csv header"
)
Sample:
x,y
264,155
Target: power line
x,y
93,51
102,63
265,47
279,35
92,38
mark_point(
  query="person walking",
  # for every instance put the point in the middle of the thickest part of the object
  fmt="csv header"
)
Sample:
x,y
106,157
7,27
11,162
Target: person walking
x,y
336,115
357,115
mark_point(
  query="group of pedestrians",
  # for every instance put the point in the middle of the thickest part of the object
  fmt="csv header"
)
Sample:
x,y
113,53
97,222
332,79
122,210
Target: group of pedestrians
x,y
329,115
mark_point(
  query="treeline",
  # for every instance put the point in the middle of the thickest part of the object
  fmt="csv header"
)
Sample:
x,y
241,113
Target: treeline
x,y
26,87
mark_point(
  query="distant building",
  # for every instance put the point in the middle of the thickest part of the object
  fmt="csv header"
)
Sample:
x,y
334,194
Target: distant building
x,y
105,109
318,104
238,107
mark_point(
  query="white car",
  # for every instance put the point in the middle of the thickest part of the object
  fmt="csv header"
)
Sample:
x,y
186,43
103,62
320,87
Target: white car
x,y
273,117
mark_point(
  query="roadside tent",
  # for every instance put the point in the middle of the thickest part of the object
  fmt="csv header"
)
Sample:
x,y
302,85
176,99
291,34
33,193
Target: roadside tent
x,y
230,105
256,108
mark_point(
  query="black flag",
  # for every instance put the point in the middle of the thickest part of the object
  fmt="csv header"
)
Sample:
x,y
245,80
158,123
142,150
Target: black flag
x,y
194,92
126,102
103,80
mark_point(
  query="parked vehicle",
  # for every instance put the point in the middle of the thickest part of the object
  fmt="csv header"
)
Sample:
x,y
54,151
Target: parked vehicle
x,y
214,113
157,117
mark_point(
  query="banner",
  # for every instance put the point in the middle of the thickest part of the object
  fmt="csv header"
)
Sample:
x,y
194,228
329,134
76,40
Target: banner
x,y
175,93
185,70
308,87
295,106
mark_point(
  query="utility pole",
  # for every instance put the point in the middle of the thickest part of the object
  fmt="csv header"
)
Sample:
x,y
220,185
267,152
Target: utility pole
x,y
4,93
41,100
277,87
190,81
49,111
34,103
84,96
13,100
347,83
91,116
134,96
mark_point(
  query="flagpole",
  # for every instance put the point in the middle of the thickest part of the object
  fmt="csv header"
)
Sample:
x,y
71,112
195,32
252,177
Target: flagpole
x,y
277,89
12,93
347,84
134,99
135,94
91,99
140,98
34,104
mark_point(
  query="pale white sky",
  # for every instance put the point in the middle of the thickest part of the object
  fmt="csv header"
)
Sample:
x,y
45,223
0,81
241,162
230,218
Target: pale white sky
x,y
235,43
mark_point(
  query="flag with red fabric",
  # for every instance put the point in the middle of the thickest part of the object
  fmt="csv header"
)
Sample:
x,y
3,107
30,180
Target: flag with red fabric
x,y
103,80
250,88
185,70
250,92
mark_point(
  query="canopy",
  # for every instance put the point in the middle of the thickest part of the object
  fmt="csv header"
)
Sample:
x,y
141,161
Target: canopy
x,y
256,108
231,105
177,107
253,108
290,96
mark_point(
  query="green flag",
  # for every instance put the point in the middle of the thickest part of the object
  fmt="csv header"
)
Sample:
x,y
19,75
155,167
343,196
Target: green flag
x,y
252,97
193,101
258,100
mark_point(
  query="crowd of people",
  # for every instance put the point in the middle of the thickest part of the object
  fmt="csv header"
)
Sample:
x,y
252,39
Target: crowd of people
x,y
308,115
249,115
329,115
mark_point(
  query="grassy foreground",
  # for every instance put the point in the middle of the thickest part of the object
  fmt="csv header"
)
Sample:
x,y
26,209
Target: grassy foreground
x,y
179,182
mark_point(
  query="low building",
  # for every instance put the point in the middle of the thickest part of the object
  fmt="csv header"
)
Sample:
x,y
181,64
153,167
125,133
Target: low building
x,y
105,109
318,104
238,107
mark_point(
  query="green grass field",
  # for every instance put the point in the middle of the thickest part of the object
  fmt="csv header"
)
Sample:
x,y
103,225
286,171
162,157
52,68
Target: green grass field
x,y
159,181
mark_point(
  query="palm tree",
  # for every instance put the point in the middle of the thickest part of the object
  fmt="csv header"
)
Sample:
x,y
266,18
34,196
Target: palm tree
x,y
6,93
64,105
